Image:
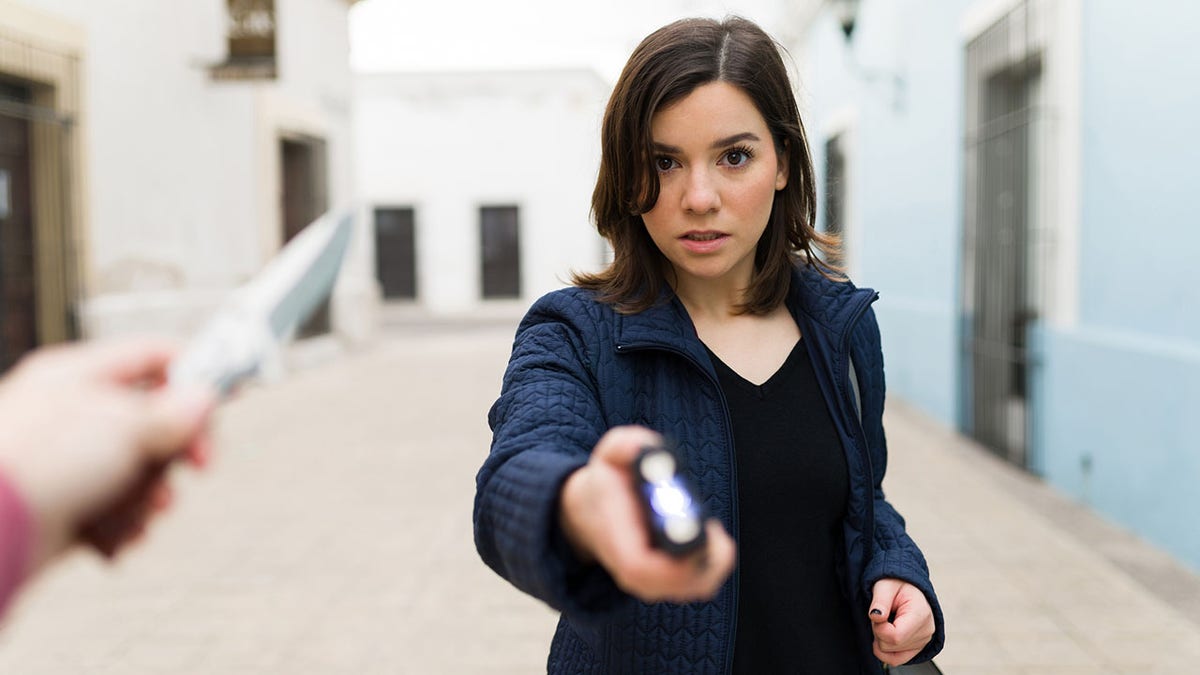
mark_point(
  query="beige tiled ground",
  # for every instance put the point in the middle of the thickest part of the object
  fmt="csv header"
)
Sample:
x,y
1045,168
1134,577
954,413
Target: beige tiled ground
x,y
333,535
1024,590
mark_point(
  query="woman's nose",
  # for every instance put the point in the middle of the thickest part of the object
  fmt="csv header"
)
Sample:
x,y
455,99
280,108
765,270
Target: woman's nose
x,y
700,194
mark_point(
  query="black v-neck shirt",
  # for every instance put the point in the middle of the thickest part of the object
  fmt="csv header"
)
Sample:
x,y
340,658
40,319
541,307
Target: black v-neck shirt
x,y
792,486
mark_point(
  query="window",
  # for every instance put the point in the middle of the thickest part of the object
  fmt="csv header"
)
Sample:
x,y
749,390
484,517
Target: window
x,y
835,185
500,252
395,253
251,37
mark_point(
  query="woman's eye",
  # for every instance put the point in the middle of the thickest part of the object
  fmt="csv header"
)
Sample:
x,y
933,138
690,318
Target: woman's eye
x,y
736,157
664,163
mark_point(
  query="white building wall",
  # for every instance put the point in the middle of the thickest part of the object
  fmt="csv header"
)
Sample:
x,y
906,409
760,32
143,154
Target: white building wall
x,y
182,171
314,96
446,144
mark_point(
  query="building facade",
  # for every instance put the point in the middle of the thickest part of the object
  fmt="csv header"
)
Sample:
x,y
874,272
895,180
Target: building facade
x,y
479,183
1011,175
170,149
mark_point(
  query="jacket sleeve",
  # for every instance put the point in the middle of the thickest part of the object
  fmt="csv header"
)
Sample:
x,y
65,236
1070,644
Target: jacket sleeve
x,y
544,425
895,554
16,541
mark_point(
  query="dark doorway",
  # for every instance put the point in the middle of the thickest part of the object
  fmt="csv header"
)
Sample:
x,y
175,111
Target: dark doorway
x,y
1000,299
18,303
305,198
396,253
835,194
500,252
835,185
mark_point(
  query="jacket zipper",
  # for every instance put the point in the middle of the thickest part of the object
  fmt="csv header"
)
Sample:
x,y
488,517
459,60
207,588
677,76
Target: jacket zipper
x,y
861,439
733,506
869,520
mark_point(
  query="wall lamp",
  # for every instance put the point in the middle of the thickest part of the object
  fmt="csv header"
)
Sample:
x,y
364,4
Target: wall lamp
x,y
846,14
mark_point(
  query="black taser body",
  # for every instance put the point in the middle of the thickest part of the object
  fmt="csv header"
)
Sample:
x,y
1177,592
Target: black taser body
x,y
674,516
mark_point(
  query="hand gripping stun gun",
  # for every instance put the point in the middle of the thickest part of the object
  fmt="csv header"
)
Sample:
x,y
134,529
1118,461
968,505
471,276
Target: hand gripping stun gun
x,y
673,515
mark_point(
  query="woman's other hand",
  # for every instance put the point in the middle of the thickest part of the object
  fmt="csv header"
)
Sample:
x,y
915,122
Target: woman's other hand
x,y
603,520
901,619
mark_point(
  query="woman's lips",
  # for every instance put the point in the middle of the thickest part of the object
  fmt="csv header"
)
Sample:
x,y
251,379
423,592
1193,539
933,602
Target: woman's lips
x,y
703,242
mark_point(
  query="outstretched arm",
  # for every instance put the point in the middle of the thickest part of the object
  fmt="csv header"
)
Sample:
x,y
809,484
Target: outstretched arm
x,y
86,431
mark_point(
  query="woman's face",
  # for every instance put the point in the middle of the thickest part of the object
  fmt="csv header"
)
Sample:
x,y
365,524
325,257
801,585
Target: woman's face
x,y
718,172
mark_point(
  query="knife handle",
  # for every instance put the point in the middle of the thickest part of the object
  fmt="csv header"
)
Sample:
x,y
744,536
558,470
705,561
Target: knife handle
x,y
121,520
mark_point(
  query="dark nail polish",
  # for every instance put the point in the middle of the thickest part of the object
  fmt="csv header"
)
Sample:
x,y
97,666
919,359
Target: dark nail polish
x,y
876,612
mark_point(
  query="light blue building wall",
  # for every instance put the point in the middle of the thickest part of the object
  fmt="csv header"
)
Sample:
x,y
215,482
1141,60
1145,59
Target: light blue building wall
x,y
1121,389
904,176
1117,387
1141,168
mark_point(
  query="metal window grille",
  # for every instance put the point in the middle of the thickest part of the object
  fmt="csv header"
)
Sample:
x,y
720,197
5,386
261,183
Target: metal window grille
x,y
835,185
40,242
835,195
1005,227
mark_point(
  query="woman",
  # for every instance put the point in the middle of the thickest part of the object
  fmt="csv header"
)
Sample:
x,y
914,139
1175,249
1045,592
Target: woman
x,y
718,327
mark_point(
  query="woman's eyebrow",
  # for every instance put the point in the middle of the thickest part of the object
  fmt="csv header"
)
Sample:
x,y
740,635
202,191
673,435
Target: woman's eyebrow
x,y
716,145
736,138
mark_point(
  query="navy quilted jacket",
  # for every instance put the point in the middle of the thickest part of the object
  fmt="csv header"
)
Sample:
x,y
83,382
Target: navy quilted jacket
x,y
579,368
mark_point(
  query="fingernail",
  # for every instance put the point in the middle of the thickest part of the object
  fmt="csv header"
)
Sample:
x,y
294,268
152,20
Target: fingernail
x,y
876,612
200,452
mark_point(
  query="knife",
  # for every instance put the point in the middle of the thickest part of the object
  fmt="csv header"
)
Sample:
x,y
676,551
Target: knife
x,y
246,334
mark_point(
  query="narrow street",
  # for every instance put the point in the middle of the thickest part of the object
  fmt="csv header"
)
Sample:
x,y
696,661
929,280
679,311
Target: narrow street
x,y
333,535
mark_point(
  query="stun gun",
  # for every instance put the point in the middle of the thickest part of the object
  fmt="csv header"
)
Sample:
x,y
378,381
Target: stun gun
x,y
674,516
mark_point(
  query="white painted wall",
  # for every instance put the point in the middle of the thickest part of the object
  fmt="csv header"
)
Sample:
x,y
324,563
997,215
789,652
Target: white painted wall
x,y
448,143
182,171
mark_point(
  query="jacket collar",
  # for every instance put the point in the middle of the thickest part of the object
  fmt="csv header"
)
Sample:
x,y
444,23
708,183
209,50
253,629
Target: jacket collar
x,y
827,305
817,303
666,324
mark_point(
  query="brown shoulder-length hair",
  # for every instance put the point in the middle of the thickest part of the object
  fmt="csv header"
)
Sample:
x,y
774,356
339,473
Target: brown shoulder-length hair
x,y
667,66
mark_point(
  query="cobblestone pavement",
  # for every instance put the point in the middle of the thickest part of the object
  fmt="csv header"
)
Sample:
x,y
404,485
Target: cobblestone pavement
x,y
333,535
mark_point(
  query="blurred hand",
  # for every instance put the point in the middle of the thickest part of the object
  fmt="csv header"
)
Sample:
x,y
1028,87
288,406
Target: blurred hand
x,y
901,619
86,433
602,518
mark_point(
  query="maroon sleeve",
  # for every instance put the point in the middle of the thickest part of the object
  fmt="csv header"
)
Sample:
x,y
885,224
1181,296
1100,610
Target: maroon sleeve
x,y
16,539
